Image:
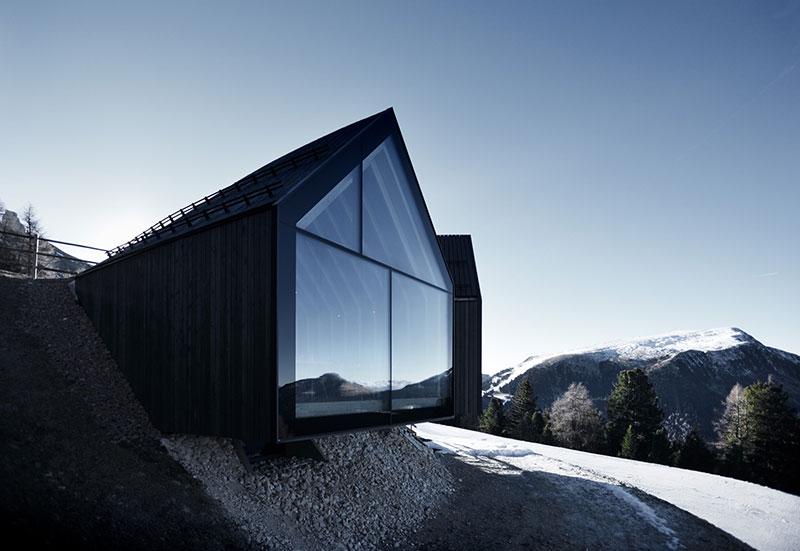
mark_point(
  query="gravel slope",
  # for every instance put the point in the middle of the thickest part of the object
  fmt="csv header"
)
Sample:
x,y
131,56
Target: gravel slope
x,y
79,463
374,491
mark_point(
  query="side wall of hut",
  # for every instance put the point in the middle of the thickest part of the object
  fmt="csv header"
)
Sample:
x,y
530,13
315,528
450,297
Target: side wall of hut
x,y
467,341
190,324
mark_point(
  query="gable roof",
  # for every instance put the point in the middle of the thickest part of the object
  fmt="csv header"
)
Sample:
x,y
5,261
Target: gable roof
x,y
265,186
460,259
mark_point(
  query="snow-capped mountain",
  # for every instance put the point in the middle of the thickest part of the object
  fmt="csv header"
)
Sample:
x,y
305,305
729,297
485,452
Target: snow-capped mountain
x,y
693,371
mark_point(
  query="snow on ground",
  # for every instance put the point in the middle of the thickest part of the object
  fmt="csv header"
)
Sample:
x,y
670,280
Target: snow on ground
x,y
762,517
639,348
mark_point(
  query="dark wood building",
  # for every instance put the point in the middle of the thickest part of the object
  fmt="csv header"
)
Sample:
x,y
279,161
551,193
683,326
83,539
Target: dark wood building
x,y
467,337
311,296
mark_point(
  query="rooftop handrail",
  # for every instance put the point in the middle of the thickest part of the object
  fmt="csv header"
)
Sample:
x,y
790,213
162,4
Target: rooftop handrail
x,y
217,201
69,258
29,236
35,251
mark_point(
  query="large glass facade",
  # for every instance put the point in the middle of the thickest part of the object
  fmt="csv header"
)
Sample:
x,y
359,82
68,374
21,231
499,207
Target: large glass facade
x,y
341,332
373,305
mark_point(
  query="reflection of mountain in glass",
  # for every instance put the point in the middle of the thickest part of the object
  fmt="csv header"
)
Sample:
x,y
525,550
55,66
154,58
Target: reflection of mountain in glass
x,y
330,394
430,392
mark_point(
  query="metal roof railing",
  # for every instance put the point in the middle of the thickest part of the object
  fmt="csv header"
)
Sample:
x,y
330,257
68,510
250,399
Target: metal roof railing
x,y
35,240
228,199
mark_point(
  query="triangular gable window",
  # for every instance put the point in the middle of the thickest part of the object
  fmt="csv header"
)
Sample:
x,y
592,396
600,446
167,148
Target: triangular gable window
x,y
395,231
337,217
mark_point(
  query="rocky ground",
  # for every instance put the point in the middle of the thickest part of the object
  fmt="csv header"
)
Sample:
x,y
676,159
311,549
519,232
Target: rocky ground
x,y
375,490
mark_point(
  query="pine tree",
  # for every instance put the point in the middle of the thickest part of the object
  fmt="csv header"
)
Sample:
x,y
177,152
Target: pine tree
x,y
660,448
525,430
574,421
693,453
633,406
630,444
547,435
523,406
492,420
770,445
540,427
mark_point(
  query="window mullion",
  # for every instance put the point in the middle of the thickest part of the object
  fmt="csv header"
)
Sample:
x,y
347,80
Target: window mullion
x,y
361,207
391,373
369,259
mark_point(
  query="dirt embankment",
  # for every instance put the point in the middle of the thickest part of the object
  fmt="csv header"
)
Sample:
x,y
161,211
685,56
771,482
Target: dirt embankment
x,y
79,463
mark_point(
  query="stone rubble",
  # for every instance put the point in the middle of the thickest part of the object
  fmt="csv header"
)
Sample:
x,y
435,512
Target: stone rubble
x,y
373,491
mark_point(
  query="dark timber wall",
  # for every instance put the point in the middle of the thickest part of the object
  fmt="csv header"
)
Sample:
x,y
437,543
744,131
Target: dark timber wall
x,y
467,337
467,356
190,324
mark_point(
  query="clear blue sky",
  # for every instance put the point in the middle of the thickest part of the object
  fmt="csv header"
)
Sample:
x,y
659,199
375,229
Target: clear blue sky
x,y
624,168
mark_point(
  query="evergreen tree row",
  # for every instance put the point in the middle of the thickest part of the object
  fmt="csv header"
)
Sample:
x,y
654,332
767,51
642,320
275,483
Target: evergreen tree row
x,y
759,433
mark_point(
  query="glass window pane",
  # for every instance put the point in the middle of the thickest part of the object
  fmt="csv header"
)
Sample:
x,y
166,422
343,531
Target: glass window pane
x,y
394,229
337,215
421,344
342,332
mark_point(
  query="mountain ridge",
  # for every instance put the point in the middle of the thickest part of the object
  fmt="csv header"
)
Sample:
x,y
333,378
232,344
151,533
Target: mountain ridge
x,y
692,371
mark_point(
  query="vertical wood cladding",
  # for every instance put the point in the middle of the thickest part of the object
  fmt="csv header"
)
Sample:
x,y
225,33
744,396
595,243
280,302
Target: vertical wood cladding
x,y
467,356
190,324
460,258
